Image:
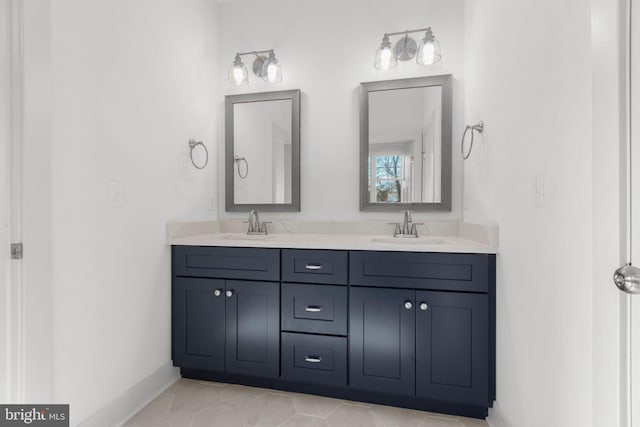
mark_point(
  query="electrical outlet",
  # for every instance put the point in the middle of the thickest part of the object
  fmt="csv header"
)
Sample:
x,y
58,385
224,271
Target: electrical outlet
x,y
212,202
538,191
466,200
115,195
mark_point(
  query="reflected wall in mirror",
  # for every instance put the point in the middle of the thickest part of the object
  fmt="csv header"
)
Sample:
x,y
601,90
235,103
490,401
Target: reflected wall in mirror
x,y
405,145
263,151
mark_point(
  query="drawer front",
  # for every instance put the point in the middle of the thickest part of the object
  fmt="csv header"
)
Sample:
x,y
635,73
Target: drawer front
x,y
438,271
314,359
226,263
320,309
311,266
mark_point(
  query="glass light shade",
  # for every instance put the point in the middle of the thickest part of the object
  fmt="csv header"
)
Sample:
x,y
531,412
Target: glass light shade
x,y
238,74
271,69
428,50
385,58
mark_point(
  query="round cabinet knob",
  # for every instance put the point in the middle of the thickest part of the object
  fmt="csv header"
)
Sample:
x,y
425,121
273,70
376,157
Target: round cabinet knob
x,y
424,306
217,292
408,305
229,294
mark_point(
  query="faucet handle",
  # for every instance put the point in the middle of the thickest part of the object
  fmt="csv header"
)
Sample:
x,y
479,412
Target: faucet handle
x,y
250,226
414,228
264,226
397,230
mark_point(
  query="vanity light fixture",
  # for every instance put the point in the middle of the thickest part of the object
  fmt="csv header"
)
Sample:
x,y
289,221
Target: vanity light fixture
x,y
266,67
426,53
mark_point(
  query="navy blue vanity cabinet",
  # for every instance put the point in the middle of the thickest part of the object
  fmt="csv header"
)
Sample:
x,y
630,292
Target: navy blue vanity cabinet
x,y
222,324
408,336
198,323
382,340
410,329
314,316
452,347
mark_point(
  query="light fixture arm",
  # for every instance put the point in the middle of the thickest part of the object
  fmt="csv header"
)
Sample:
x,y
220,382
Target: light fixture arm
x,y
397,33
254,52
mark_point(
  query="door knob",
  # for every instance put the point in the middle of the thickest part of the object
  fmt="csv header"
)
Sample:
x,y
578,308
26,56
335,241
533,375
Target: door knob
x,y
627,279
424,306
408,305
217,292
229,294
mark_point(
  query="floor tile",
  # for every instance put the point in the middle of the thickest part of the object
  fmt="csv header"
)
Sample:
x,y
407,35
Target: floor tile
x,y
305,421
316,406
158,408
270,410
170,419
221,415
430,421
191,403
241,395
194,399
389,416
473,422
351,416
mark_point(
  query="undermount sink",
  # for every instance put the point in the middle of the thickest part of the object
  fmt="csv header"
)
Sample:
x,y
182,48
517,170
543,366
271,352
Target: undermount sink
x,y
241,236
409,240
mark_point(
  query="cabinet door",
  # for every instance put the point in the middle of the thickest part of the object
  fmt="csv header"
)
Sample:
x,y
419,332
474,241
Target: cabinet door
x,y
253,328
382,340
452,351
198,323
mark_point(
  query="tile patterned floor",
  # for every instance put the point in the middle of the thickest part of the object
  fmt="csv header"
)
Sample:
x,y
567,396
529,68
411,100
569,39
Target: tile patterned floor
x,y
191,403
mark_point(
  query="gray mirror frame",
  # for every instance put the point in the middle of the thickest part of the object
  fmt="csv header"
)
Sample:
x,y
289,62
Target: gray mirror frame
x,y
445,81
230,101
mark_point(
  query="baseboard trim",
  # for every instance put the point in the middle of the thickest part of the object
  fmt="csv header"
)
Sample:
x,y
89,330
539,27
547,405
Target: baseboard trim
x,y
496,417
125,406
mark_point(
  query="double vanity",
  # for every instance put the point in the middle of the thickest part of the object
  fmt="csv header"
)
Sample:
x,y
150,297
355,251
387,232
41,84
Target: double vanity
x,y
345,311
400,314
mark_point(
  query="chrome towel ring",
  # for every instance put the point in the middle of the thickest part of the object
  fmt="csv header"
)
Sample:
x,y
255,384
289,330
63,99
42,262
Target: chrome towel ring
x,y
479,127
237,159
193,144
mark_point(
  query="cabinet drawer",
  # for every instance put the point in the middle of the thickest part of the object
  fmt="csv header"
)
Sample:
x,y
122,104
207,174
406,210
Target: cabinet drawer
x,y
314,359
311,266
318,309
439,271
227,263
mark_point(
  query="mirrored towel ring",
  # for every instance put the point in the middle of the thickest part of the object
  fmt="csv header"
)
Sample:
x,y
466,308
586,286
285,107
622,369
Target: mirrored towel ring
x,y
193,144
237,160
479,127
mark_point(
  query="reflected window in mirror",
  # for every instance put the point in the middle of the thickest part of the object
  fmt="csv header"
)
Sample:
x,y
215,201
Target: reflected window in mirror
x,y
263,151
406,144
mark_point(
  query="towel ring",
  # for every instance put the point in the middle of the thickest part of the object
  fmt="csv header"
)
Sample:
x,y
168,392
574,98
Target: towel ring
x,y
477,127
193,144
237,159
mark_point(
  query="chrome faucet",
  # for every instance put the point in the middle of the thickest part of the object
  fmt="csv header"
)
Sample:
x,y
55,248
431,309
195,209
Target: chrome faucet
x,y
255,227
407,229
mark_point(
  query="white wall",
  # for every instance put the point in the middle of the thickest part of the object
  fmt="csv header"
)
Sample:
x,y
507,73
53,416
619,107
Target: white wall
x,y
131,82
5,67
36,206
529,77
326,49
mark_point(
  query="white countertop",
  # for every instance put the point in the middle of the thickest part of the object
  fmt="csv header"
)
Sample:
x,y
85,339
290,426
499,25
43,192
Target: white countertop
x,y
450,237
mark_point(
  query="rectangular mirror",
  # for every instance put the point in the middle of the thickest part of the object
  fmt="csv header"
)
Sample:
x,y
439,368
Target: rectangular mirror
x,y
405,144
262,151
